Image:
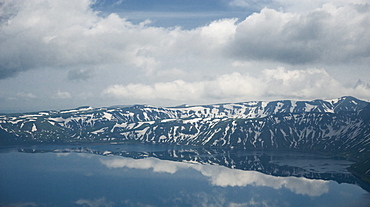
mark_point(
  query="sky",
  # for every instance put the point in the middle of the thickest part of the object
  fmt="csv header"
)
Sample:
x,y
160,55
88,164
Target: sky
x,y
62,54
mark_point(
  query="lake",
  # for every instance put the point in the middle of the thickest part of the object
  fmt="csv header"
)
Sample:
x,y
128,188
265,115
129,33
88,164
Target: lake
x,y
161,175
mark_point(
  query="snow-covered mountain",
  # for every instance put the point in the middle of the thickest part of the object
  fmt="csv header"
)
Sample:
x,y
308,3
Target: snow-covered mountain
x,y
277,124
333,126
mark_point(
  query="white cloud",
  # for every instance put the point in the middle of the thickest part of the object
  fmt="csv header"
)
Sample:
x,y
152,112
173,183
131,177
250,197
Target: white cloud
x,y
27,95
197,65
67,34
175,90
218,32
62,95
49,39
291,5
327,35
273,83
300,6
70,33
303,84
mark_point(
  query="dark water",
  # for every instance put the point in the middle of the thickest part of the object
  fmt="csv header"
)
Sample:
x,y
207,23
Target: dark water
x,y
147,175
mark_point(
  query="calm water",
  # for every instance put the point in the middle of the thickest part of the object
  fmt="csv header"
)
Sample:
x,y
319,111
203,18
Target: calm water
x,y
146,175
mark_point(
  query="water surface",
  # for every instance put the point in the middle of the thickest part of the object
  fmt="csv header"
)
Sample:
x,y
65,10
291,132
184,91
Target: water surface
x,y
149,175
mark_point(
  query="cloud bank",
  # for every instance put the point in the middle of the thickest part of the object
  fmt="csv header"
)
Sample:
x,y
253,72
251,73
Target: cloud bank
x,y
271,84
285,49
68,33
325,35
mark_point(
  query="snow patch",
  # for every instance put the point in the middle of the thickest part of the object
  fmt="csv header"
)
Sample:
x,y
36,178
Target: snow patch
x,y
34,128
107,116
102,130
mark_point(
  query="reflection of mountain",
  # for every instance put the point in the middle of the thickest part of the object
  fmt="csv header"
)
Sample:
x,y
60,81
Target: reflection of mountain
x,y
265,162
333,126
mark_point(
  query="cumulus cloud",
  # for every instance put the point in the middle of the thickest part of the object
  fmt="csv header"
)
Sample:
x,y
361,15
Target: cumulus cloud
x,y
326,35
301,84
196,65
69,33
274,83
63,34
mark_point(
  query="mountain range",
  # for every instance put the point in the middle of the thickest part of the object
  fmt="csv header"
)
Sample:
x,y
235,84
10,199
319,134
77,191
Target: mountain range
x,y
338,126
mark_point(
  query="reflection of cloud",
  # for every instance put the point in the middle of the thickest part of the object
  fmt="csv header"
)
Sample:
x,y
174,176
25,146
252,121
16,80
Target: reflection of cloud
x,y
150,163
25,204
214,198
62,154
217,198
101,202
85,155
253,202
130,203
223,176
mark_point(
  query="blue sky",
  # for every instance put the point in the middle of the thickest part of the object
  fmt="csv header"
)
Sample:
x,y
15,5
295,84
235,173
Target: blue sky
x,y
166,13
66,53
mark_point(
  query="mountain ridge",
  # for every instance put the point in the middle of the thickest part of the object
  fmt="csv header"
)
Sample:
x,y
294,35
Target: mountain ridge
x,y
332,126
83,117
